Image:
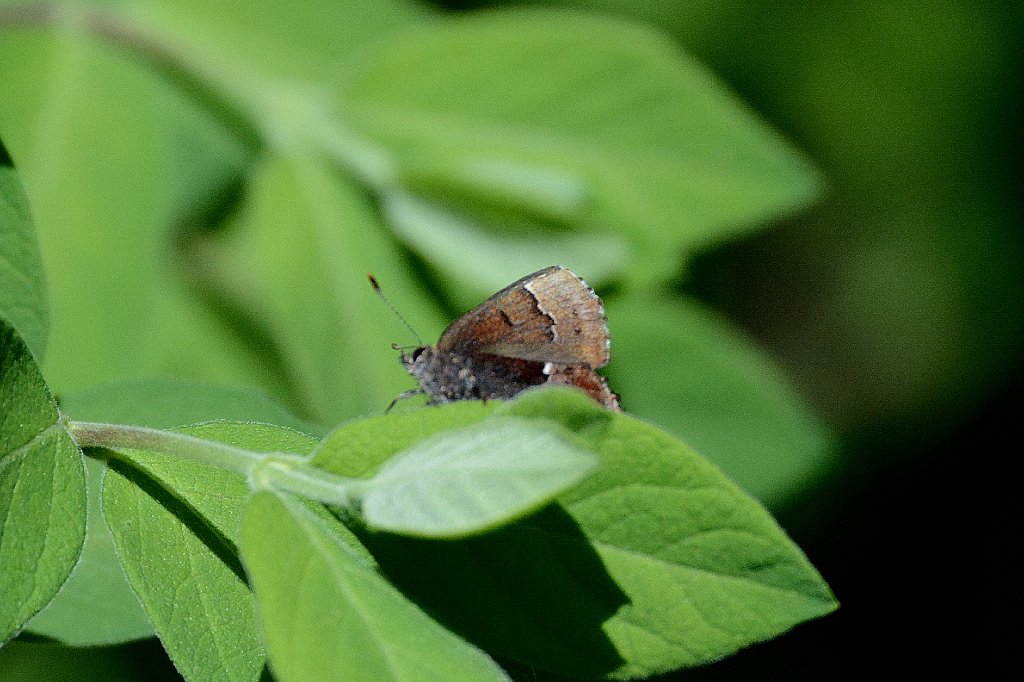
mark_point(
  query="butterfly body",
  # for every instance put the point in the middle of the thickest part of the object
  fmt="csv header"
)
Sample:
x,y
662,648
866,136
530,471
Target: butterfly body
x,y
447,377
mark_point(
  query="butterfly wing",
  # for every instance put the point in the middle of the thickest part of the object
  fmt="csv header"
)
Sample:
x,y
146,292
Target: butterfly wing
x,y
549,316
585,379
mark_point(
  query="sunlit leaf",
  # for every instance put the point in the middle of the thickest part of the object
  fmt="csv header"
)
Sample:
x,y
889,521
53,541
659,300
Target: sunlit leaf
x,y
97,606
304,244
468,480
659,152
327,614
654,562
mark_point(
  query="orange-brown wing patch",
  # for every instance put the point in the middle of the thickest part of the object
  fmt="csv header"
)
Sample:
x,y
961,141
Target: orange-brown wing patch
x,y
584,378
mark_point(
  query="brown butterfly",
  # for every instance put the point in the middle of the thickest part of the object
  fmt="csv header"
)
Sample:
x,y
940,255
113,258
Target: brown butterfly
x,y
546,328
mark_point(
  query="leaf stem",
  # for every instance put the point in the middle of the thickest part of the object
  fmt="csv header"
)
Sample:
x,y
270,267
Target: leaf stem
x,y
293,473
274,470
114,436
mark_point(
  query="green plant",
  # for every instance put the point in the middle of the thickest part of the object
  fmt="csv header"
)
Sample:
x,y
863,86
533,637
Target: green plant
x,y
207,205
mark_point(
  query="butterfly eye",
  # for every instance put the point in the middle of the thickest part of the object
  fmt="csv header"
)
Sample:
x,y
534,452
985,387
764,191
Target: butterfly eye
x,y
416,353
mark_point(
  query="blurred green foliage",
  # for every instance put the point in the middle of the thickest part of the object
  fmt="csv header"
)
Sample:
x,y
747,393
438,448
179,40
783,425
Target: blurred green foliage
x,y
209,204
211,183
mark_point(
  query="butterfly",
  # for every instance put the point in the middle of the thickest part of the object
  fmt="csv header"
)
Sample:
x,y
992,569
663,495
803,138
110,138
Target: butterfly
x,y
546,328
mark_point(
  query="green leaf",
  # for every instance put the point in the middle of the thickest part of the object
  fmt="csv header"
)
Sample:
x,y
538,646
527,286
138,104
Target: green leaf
x,y
356,448
163,403
304,243
479,259
672,531
654,562
81,155
84,126
174,524
327,614
468,480
183,574
683,367
42,490
23,297
97,606
486,109
297,40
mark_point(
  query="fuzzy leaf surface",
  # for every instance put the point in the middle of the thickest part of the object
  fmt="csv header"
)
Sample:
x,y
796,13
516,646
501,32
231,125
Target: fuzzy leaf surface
x,y
654,562
471,479
42,489
327,614
175,525
97,607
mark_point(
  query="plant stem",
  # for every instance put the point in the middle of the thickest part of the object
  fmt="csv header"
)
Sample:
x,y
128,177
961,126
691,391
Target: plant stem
x,y
92,434
285,472
277,470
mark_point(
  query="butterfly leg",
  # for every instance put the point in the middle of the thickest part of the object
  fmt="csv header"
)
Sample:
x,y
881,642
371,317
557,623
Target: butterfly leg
x,y
402,396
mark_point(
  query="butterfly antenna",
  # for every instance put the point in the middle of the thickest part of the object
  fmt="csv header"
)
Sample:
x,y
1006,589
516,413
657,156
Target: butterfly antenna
x,y
392,308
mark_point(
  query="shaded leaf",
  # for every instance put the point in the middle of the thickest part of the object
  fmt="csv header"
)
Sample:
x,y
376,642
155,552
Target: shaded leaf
x,y
96,606
42,490
23,295
174,525
163,403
